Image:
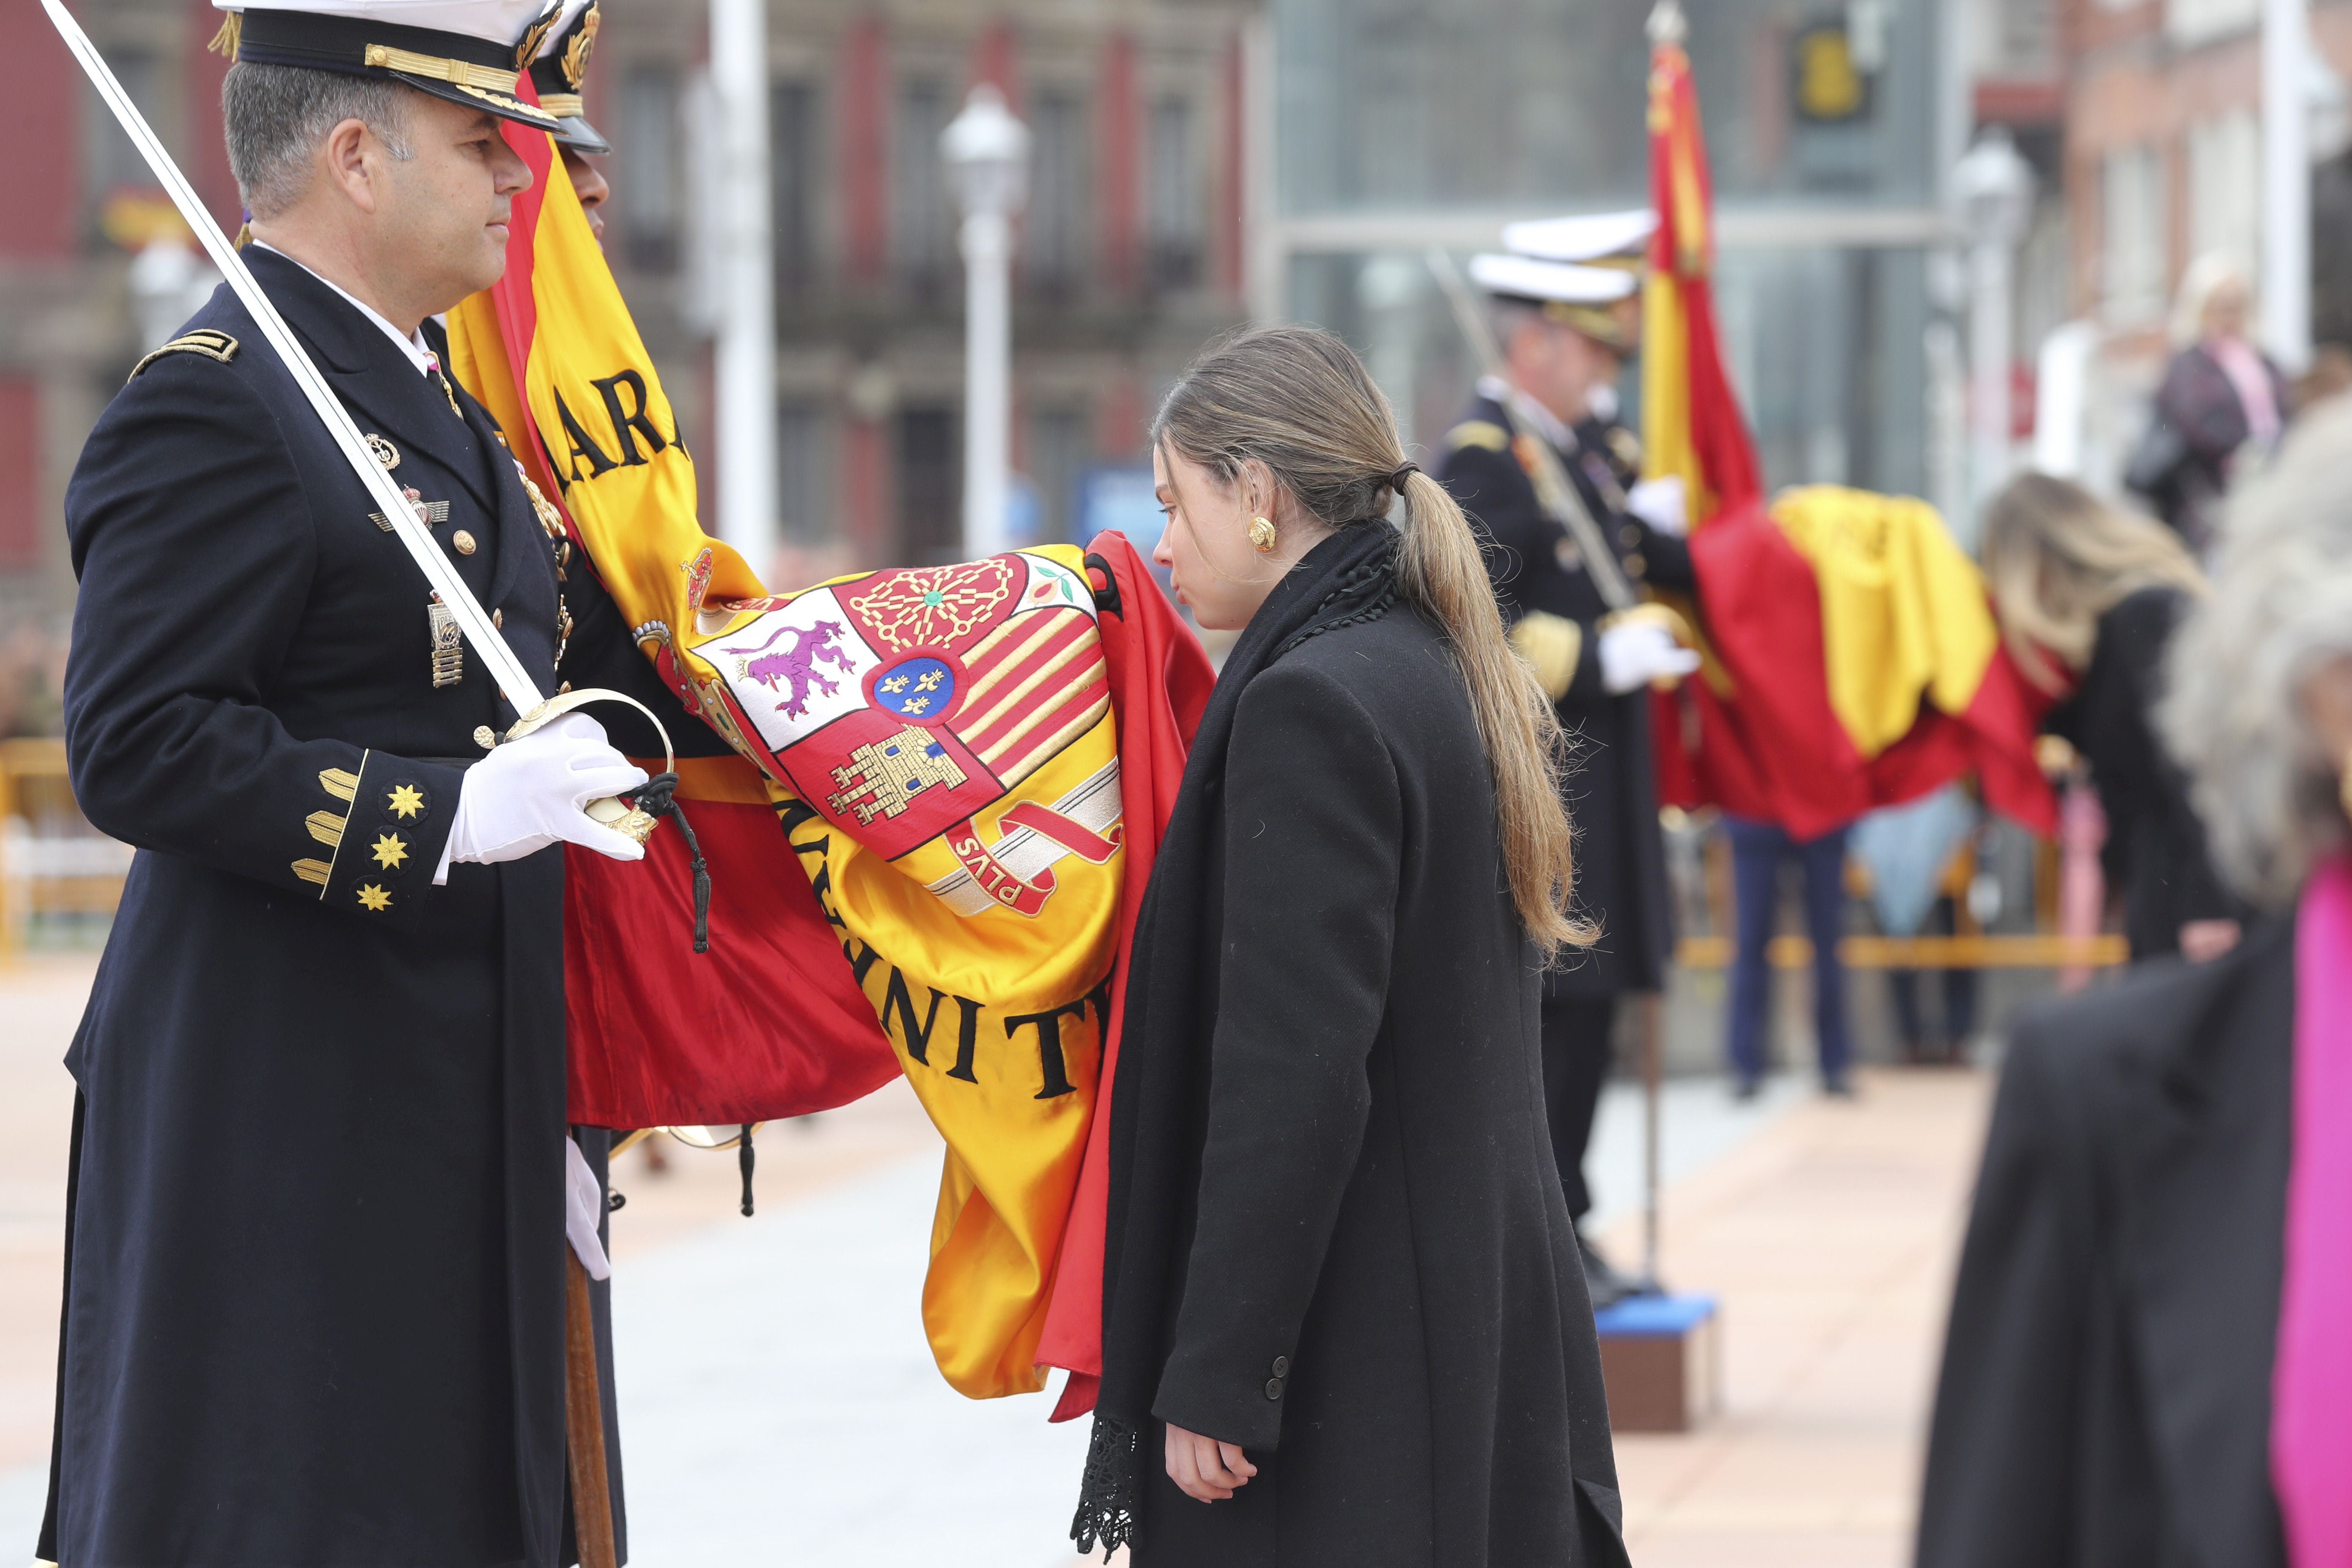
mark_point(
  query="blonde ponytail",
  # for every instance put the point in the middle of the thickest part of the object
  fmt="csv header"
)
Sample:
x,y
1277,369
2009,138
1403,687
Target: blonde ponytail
x,y
1441,573
1297,400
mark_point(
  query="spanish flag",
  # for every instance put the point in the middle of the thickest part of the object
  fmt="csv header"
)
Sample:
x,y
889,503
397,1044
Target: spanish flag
x,y
1851,656
928,846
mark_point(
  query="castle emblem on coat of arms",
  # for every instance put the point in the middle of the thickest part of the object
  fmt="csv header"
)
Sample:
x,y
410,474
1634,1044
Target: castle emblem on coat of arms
x,y
882,776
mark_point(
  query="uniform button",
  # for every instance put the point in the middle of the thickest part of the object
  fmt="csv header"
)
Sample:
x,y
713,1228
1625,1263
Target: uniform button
x,y
1282,1366
1273,1388
498,617
463,541
1634,565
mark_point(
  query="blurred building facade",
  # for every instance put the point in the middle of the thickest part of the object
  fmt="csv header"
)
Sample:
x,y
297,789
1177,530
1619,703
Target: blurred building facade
x,y
2163,151
1131,254
1401,124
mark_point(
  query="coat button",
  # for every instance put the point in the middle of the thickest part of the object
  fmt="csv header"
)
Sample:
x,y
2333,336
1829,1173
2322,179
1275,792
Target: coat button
x,y
463,541
498,617
1273,1388
1282,1366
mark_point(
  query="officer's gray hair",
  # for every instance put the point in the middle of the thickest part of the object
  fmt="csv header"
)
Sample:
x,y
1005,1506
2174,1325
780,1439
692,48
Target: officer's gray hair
x,y
275,116
2279,607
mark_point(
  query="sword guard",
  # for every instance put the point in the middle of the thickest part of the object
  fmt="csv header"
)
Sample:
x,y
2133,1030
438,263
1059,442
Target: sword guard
x,y
620,818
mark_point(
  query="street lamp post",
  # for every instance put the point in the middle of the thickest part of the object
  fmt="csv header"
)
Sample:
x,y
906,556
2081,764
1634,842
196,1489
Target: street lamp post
x,y
745,309
2285,293
987,154
1994,187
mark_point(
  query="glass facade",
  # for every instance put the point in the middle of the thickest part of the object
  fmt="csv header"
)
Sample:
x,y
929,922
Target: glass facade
x,y
1407,123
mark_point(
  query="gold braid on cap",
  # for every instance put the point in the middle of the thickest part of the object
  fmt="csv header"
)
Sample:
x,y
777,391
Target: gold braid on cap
x,y
527,47
232,32
576,52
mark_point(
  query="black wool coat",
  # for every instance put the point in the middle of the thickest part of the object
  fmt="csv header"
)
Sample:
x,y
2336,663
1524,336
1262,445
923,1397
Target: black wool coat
x,y
313,1305
2106,1395
1612,794
1380,1300
2155,854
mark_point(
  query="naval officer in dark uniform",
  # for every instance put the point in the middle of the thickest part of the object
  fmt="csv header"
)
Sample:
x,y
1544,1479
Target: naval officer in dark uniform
x,y
1565,332
313,1304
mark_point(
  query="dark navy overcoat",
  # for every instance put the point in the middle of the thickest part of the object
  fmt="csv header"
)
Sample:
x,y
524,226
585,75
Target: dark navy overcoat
x,y
314,1293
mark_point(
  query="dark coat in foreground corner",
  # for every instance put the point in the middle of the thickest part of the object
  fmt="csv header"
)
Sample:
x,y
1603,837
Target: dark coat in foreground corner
x,y
1382,1301
2105,1398
314,1287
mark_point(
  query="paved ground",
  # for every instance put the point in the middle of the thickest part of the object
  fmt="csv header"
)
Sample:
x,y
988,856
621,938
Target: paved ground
x,y
780,1405
1829,1236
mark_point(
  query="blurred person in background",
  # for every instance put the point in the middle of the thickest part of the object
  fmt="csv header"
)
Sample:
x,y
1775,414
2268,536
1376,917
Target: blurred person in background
x,y
1758,849
2087,597
2149,1358
1343,1321
2222,399
1566,331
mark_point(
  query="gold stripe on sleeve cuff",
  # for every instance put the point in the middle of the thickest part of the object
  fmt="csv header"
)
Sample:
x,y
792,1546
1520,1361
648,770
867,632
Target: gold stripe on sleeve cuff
x,y
1551,645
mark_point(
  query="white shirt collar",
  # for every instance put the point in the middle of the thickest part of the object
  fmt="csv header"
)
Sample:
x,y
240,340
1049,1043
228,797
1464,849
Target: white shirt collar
x,y
414,347
1546,423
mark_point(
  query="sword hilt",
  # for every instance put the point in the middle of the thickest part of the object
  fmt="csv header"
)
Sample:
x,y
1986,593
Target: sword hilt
x,y
611,811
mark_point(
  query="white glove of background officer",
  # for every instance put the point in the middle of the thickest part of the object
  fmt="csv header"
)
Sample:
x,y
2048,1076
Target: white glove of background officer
x,y
1633,655
528,794
1660,502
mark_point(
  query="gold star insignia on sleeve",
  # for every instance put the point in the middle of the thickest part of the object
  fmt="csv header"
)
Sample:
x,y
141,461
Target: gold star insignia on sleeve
x,y
375,897
405,801
390,850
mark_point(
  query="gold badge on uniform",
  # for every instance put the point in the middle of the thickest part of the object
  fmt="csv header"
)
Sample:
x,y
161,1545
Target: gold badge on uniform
x,y
448,646
383,452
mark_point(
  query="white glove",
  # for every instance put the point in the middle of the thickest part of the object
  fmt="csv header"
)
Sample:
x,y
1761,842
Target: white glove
x,y
583,1206
528,794
1662,504
1633,655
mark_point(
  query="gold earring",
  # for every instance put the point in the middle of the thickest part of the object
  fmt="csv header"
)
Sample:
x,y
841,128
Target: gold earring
x,y
1261,535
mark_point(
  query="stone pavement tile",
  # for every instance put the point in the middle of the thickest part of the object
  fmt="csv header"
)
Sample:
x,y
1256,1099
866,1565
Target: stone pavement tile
x,y
779,1402
1828,1237
41,999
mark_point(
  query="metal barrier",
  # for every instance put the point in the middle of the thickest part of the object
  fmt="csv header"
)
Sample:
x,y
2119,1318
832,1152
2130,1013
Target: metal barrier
x,y
2036,949
54,867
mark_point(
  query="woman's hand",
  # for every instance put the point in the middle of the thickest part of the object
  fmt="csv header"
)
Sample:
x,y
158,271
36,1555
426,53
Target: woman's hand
x,y
2203,941
1204,1469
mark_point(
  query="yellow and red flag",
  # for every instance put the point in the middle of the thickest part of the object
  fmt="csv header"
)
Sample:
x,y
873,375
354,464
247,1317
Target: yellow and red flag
x,y
946,787
1852,660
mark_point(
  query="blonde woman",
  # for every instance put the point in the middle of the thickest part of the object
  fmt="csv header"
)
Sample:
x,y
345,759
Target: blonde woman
x,y
2087,597
2221,397
1344,1319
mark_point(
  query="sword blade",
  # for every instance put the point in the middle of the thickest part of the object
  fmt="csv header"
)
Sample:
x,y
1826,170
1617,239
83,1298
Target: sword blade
x,y
1555,491
439,571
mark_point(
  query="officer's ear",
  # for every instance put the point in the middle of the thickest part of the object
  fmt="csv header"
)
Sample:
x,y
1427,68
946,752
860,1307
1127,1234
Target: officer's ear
x,y
345,162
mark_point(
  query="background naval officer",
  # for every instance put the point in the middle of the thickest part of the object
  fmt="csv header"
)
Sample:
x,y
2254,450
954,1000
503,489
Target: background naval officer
x,y
314,1281
1565,332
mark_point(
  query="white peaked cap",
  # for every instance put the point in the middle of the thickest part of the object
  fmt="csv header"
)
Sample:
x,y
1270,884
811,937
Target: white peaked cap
x,y
498,21
1525,278
1590,236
